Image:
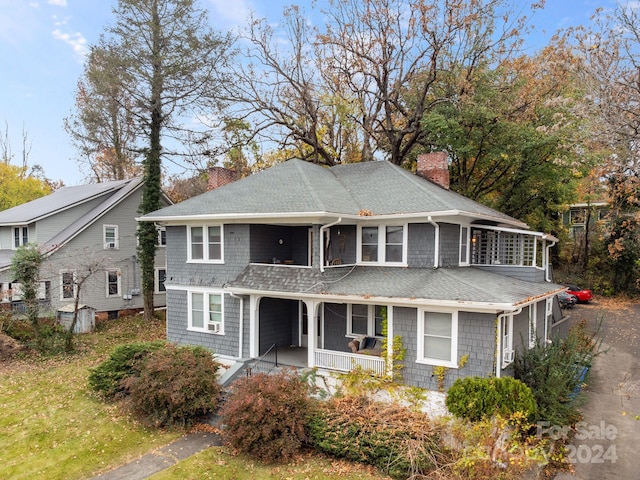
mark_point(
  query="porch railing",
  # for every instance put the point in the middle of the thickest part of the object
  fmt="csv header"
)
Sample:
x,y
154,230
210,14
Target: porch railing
x,y
345,362
265,363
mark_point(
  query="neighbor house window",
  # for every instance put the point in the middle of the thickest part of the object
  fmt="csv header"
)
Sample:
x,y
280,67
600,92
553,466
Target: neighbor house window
x,y
160,278
437,338
68,287
206,312
205,243
383,244
110,236
506,326
162,236
20,236
365,320
113,283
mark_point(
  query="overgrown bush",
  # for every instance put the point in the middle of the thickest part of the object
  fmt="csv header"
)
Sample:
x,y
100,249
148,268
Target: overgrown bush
x,y
174,386
399,442
106,378
553,373
476,398
265,416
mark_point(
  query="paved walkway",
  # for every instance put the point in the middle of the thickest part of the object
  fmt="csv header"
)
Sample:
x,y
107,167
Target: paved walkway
x,y
163,457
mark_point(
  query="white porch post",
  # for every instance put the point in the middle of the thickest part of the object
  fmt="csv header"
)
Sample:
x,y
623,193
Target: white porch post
x,y
312,331
254,326
389,358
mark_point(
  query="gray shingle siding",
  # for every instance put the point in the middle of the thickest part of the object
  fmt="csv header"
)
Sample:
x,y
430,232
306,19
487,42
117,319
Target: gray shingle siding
x,y
449,245
420,245
335,327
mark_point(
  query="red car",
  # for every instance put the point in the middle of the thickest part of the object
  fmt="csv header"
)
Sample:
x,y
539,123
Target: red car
x,y
583,295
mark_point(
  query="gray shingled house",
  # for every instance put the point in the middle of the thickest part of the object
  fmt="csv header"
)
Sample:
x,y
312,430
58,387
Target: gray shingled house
x,y
76,226
315,260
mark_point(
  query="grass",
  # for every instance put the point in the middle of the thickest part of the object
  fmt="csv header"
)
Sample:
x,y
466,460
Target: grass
x,y
52,426
217,463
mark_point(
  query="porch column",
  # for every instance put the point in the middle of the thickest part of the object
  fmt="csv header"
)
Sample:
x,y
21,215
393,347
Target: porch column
x,y
312,331
254,326
389,358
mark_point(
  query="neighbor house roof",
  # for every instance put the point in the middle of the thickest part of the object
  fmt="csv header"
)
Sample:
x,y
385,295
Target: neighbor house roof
x,y
456,285
301,188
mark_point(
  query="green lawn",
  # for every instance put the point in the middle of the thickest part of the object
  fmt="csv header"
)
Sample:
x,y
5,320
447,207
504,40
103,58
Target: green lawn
x,y
53,427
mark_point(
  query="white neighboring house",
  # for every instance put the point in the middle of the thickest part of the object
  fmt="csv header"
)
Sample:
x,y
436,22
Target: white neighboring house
x,y
74,227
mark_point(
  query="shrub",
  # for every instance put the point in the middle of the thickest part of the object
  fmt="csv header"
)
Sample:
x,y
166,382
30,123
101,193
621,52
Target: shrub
x,y
553,373
106,378
265,416
174,386
476,398
399,442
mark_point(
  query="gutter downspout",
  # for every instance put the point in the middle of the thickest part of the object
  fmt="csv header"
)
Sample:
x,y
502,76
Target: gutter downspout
x,y
241,326
321,242
436,244
499,339
547,276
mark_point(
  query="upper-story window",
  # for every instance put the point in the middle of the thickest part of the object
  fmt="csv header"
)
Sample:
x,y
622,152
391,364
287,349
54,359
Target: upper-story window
x,y
20,236
383,244
110,236
464,246
205,243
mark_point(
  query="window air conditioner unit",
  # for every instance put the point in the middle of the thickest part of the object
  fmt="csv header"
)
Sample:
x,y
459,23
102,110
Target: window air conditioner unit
x,y
214,327
507,356
111,245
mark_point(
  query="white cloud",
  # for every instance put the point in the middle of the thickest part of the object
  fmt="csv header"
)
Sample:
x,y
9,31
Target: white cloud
x,y
77,41
58,3
231,12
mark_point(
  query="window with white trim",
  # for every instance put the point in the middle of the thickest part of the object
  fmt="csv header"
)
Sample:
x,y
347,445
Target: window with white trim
x,y
506,327
68,286
206,312
205,243
162,237
365,320
113,283
383,244
20,236
160,278
438,338
464,246
110,237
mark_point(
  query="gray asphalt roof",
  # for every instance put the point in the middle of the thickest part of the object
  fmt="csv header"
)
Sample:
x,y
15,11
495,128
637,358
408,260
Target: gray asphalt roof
x,y
296,186
458,284
59,200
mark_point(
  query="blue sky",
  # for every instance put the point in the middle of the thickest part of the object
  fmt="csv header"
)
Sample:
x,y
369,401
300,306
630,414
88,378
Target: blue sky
x,y
42,49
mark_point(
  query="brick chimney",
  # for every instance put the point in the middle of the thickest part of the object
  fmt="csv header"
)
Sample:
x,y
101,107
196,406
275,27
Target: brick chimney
x,y
219,176
434,166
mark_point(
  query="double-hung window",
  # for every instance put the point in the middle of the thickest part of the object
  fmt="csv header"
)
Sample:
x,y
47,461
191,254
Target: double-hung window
x,y
113,283
206,312
110,237
506,327
383,244
160,278
20,236
365,320
438,338
68,287
205,243
464,246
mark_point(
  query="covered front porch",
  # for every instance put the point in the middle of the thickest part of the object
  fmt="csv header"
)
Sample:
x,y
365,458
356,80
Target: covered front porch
x,y
302,342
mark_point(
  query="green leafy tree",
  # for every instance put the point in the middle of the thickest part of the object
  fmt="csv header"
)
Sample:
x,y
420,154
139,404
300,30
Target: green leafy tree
x,y
169,66
17,186
25,267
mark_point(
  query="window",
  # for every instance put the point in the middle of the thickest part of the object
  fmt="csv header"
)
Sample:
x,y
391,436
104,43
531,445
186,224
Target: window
x,y
160,278
20,236
464,246
383,244
206,312
365,320
162,236
113,283
205,244
110,237
506,327
437,338
68,287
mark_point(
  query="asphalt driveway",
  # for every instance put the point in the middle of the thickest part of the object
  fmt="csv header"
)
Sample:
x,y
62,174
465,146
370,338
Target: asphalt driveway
x,y
606,442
